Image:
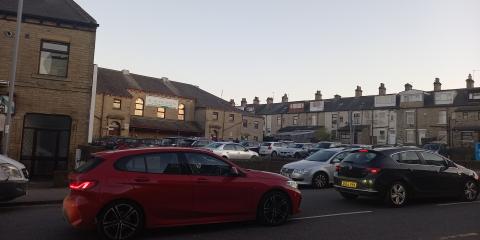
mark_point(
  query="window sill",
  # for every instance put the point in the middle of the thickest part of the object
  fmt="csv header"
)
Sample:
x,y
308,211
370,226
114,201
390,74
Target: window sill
x,y
49,77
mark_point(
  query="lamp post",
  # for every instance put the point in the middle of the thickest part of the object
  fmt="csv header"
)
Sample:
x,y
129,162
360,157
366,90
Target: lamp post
x,y
11,83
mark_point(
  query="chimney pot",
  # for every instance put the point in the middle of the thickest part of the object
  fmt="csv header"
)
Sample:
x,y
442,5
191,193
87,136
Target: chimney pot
x,y
269,100
408,87
243,102
256,101
358,91
285,98
382,91
437,85
318,95
232,102
470,82
337,97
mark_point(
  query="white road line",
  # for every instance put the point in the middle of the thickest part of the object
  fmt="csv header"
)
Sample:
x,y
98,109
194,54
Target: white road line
x,y
331,215
465,235
456,203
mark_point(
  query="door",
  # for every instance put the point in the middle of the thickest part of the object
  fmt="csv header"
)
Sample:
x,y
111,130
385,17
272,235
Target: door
x,y
217,193
243,153
417,173
162,185
447,179
231,151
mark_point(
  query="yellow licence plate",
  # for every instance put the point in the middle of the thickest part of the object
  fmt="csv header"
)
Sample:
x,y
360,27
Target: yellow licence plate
x,y
349,184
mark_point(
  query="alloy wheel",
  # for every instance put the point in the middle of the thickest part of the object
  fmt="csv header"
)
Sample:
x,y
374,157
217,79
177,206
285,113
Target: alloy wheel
x,y
320,181
121,221
471,191
275,209
398,194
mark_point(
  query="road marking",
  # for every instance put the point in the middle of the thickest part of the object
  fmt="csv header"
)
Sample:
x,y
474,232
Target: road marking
x,y
465,235
331,215
456,203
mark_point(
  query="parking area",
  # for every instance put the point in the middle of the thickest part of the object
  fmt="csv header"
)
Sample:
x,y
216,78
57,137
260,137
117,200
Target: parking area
x,y
325,215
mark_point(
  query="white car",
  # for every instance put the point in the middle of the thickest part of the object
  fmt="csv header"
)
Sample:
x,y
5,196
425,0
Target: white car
x,y
296,150
271,148
231,150
13,179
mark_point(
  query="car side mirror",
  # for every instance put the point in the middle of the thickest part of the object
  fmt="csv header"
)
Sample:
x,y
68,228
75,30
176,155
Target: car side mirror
x,y
234,172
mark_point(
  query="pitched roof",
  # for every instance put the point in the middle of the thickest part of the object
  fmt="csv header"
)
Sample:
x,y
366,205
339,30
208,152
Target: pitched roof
x,y
66,11
117,83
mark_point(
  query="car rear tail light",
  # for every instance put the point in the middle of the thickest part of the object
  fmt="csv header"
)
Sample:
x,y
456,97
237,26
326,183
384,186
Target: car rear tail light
x,y
363,150
337,168
82,185
373,170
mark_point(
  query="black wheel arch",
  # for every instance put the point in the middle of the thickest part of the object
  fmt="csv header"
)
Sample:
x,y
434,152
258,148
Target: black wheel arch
x,y
122,200
275,190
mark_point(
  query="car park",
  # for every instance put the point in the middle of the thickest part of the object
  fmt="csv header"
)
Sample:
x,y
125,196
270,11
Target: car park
x,y
230,150
399,174
296,150
322,145
13,179
251,145
317,170
121,192
271,148
201,143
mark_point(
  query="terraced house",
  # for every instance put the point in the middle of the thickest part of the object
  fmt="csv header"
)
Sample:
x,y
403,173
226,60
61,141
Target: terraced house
x,y
412,117
132,105
54,82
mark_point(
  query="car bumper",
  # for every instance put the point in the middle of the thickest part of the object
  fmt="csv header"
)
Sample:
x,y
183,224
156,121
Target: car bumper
x,y
362,188
360,192
12,189
296,200
80,212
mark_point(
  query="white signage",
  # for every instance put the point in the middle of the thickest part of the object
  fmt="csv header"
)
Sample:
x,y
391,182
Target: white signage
x,y
386,101
316,106
153,101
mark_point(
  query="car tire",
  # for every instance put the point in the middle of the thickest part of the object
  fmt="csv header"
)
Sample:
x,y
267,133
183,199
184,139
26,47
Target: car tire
x,y
320,180
470,191
120,220
397,195
274,154
349,196
274,208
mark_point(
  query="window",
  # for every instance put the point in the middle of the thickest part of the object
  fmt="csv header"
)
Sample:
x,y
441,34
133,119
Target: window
x,y
340,119
240,148
279,121
356,118
474,96
166,163
255,138
161,112
339,157
114,129
334,119
138,107
231,117
296,106
442,117
255,124
410,115
181,111
466,136
215,115
117,103
382,135
410,136
409,157
314,120
295,120
54,58
229,147
245,123
132,164
442,136
205,165
465,115
432,159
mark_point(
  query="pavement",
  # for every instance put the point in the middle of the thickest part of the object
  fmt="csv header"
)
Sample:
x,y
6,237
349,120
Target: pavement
x,y
325,215
38,195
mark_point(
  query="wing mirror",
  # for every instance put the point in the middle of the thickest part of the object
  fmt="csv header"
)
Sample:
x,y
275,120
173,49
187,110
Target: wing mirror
x,y
234,172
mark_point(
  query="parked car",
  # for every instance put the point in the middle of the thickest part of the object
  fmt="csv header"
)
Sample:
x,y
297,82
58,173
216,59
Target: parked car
x,y
177,142
122,192
296,150
322,145
271,148
317,169
13,179
149,142
201,143
230,150
400,174
251,145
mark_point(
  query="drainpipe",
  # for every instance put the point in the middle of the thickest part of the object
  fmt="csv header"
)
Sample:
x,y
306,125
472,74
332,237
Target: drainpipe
x,y
92,104
101,115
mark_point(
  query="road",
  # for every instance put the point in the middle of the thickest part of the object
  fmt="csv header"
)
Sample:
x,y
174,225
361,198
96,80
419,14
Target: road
x,y
325,215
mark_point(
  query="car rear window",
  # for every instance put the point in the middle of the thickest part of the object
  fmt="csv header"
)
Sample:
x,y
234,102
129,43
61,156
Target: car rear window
x,y
360,157
321,156
89,165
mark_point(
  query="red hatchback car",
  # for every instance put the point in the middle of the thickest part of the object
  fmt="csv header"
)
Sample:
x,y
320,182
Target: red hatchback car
x,y
121,192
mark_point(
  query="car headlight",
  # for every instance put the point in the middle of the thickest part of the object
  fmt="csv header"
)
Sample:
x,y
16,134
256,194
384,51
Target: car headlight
x,y
300,171
475,175
292,184
10,172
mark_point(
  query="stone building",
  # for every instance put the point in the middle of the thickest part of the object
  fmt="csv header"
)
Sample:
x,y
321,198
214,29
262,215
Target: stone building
x,y
53,85
132,105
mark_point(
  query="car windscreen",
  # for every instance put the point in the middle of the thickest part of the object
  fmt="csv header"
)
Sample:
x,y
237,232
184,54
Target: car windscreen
x,y
322,145
321,156
89,165
360,157
213,145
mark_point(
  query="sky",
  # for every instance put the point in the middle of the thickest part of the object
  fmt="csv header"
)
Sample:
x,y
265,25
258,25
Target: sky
x,y
266,48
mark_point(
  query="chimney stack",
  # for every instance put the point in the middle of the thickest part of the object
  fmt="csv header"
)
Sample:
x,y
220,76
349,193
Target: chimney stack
x,y
243,102
408,87
358,91
285,98
382,91
337,97
437,85
470,82
269,100
232,102
318,95
256,101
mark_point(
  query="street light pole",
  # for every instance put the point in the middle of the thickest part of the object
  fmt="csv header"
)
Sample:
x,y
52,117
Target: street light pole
x,y
11,83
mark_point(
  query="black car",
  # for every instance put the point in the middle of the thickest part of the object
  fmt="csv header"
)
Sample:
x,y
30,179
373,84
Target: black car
x,y
400,174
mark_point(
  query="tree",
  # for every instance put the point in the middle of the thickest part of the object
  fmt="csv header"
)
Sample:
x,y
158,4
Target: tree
x,y
321,135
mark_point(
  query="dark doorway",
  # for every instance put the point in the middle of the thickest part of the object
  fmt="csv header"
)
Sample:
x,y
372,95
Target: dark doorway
x,y
114,129
45,143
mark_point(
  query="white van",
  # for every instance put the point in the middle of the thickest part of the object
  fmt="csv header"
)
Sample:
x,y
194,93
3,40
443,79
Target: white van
x,y
13,179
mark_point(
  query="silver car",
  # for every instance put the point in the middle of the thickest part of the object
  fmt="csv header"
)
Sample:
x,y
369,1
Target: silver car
x,y
316,170
231,150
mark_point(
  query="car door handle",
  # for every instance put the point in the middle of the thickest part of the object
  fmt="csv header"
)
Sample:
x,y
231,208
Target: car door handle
x,y
141,179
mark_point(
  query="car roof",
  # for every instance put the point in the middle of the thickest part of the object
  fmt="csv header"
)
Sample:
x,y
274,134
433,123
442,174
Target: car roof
x,y
133,151
390,150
